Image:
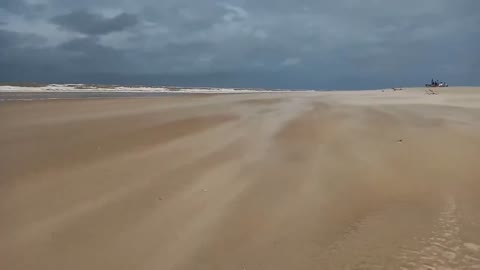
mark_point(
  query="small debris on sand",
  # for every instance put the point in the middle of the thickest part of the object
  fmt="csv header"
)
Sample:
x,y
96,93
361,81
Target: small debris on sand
x,y
472,247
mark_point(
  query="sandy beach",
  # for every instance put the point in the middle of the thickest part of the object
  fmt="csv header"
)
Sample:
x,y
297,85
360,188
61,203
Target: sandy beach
x,y
308,180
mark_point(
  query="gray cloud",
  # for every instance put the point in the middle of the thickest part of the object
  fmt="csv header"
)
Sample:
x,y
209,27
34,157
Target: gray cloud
x,y
9,39
21,7
86,22
302,44
13,5
88,55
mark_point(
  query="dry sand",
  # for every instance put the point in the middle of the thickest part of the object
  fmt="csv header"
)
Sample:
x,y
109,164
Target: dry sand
x,y
343,180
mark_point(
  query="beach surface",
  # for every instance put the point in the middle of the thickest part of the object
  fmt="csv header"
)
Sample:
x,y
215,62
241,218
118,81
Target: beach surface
x,y
303,180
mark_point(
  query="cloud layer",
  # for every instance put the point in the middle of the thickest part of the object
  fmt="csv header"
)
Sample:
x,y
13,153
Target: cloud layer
x,y
88,23
241,43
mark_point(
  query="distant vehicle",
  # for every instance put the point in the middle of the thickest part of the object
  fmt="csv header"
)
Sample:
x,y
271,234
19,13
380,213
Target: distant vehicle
x,y
436,84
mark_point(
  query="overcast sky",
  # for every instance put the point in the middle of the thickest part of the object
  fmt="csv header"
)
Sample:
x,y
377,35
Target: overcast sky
x,y
314,44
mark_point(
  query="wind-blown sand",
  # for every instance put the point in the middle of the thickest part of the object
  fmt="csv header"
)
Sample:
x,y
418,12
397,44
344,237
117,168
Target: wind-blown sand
x,y
328,180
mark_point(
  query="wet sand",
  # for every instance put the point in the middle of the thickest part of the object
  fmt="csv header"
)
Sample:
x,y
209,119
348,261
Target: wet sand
x,y
330,180
29,96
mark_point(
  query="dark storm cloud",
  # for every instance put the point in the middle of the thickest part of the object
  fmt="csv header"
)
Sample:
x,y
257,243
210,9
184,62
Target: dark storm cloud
x,y
86,22
86,45
21,7
13,5
9,39
281,43
23,55
87,54
88,50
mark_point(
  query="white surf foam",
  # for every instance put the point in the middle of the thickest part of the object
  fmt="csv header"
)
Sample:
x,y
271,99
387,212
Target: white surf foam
x,y
87,88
